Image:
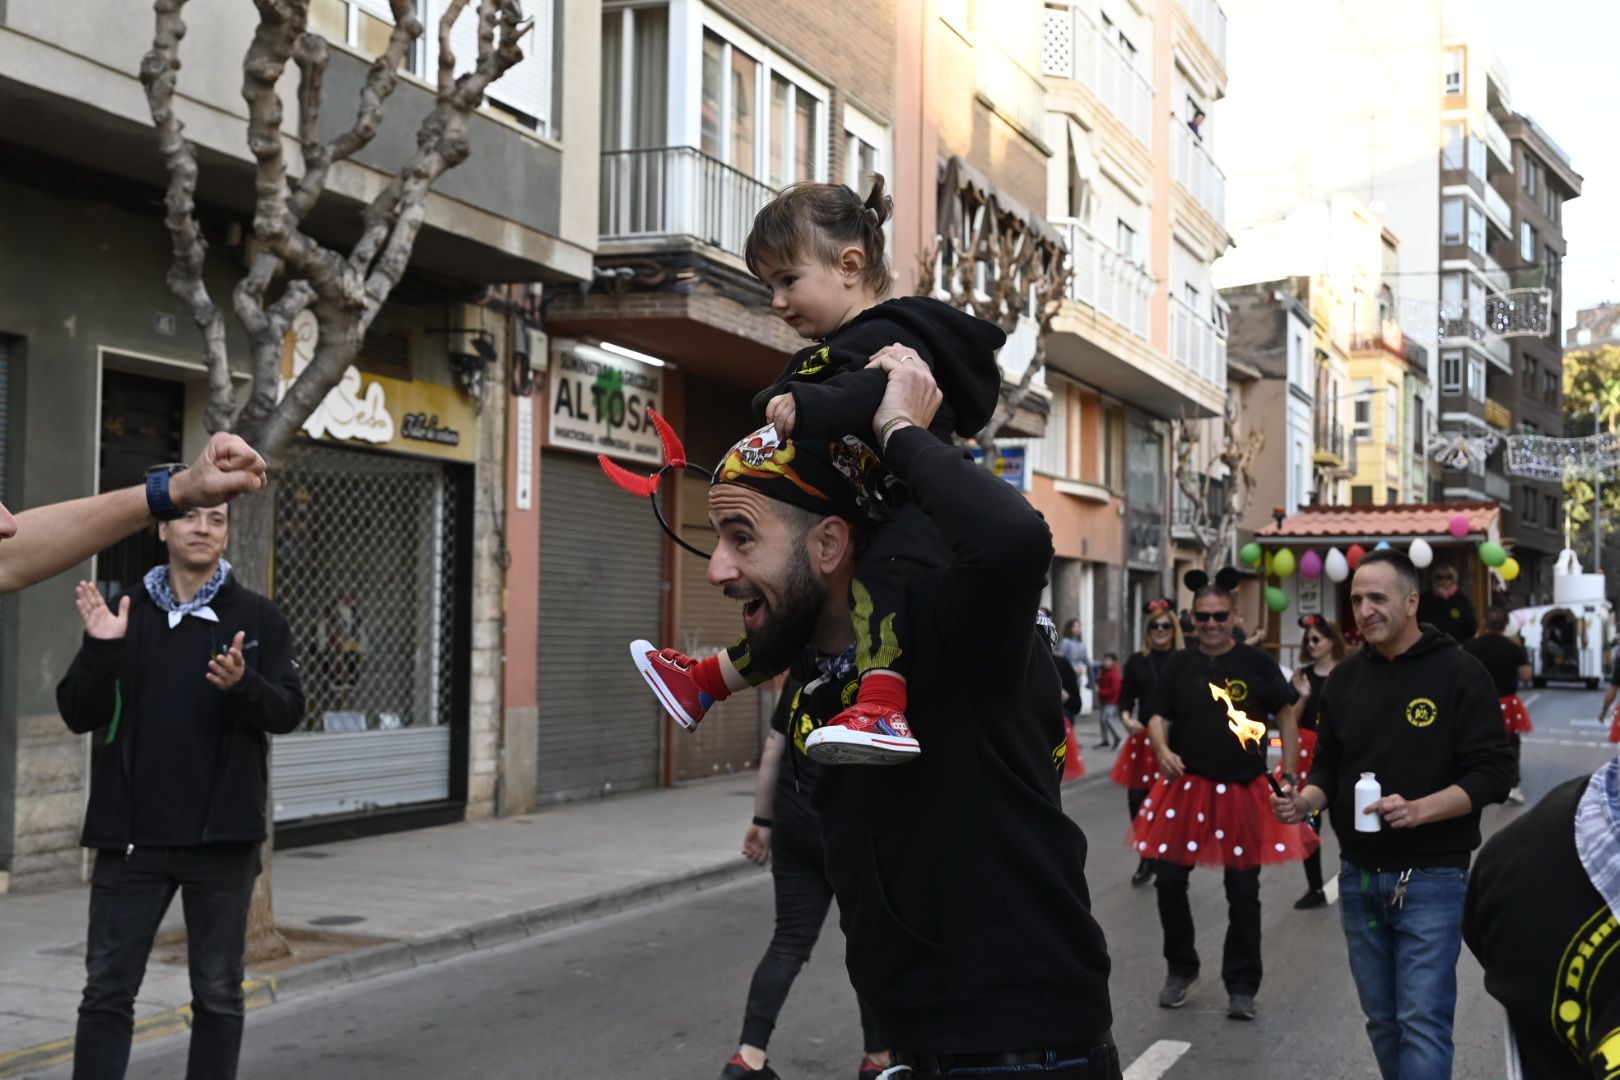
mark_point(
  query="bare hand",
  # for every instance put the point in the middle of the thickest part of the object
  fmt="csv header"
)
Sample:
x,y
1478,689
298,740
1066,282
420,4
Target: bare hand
x,y
1170,764
1291,808
1398,813
1302,684
912,396
227,467
1131,725
225,670
757,844
99,621
782,411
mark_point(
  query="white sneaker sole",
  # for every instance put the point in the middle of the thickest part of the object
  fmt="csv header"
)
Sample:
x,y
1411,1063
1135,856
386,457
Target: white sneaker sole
x,y
642,653
835,745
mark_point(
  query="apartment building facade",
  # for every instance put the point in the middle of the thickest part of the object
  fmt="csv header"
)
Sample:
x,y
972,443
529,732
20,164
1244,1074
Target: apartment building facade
x,y
383,531
1140,340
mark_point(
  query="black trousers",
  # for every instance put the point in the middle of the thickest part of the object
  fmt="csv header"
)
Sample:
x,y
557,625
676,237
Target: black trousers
x,y
128,896
1100,1062
1240,959
1518,746
803,897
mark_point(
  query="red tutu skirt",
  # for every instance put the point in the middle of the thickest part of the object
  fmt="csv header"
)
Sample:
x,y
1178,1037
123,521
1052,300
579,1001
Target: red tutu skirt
x,y
1074,764
1515,716
1307,753
1193,821
1137,764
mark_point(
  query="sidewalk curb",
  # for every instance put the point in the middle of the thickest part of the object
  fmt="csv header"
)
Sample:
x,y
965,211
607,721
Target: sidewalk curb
x,y
406,953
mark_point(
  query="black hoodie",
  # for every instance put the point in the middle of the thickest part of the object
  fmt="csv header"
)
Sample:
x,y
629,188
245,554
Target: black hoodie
x,y
835,395
1421,722
961,883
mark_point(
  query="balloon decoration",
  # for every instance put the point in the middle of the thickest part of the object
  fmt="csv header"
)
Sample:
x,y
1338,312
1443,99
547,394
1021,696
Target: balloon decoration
x,y
1251,553
1310,565
1492,554
1383,545
1276,599
1420,553
1355,555
1509,568
1335,566
1459,525
1283,565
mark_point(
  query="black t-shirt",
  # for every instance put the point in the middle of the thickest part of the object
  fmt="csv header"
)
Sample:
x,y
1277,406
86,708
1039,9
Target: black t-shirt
x,y
1544,935
1198,723
1453,615
1502,657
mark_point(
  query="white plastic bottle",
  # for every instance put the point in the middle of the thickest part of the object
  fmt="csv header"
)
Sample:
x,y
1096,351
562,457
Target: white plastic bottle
x,y
1368,792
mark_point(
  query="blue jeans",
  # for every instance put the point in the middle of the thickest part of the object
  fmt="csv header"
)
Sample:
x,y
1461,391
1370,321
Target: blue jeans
x,y
1404,961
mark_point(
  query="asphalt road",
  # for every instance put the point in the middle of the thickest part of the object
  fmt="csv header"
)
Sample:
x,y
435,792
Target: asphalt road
x,y
659,993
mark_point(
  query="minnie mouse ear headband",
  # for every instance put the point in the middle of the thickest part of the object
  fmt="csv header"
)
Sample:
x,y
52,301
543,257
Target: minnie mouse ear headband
x,y
835,478
1159,606
1226,581
1308,621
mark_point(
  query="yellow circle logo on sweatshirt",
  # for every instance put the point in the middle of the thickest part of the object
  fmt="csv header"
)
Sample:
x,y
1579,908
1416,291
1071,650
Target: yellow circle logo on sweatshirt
x,y
1238,689
1421,712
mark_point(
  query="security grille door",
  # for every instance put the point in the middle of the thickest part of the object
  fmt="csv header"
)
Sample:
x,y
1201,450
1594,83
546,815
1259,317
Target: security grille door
x,y
364,572
600,589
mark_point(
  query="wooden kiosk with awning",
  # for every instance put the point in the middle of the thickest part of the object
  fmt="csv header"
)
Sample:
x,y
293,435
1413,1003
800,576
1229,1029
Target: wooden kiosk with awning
x,y
1322,528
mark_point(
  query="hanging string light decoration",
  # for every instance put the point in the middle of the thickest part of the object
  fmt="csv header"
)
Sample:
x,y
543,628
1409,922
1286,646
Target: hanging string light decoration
x,y
1458,449
1514,313
1548,457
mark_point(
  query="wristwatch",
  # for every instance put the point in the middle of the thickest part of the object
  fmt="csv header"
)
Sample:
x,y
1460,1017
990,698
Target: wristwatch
x,y
157,491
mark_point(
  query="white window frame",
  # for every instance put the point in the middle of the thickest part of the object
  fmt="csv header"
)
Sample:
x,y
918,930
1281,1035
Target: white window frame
x,y
1446,235
770,63
1476,378
1392,414
1451,371
1361,406
1527,242
858,125
1460,161
1452,80
1476,226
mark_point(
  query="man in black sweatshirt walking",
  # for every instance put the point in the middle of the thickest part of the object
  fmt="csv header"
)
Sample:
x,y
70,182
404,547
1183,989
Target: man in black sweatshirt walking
x,y
960,882
180,690
1420,716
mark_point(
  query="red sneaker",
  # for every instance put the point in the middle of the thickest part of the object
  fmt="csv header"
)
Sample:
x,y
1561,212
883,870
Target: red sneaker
x,y
870,1070
864,735
669,673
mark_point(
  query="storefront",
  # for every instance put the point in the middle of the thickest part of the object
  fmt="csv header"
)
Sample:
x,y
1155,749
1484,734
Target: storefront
x,y
602,580
372,569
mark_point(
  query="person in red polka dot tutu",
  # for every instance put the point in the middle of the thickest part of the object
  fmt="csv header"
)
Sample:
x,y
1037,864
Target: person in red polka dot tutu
x,y
1321,648
1137,765
1211,803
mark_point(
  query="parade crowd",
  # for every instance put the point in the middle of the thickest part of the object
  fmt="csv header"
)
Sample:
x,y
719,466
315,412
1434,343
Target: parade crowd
x,y
896,586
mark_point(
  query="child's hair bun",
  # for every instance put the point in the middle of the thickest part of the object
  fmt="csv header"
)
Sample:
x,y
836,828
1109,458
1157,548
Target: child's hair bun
x,y
879,206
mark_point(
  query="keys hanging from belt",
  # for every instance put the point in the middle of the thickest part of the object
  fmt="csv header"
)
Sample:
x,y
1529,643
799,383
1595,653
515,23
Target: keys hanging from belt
x,y
1399,898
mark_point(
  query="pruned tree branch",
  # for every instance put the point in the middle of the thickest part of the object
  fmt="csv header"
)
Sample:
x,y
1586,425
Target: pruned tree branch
x,y
160,69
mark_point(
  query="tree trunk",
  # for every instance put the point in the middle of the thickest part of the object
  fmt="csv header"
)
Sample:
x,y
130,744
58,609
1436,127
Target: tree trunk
x,y
252,524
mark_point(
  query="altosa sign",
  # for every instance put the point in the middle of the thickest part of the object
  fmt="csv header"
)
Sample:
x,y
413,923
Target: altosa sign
x,y
599,405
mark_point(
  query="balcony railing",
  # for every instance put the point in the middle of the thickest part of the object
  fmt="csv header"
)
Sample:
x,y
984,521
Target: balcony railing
x,y
678,191
1497,415
1197,172
1495,276
1075,49
1330,441
1211,22
1196,343
1116,287
1014,91
1497,141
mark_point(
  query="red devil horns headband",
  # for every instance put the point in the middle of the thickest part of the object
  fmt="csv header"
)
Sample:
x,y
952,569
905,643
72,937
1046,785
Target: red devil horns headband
x,y
647,486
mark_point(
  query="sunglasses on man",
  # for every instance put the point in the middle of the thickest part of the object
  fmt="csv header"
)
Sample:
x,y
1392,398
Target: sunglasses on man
x,y
1218,616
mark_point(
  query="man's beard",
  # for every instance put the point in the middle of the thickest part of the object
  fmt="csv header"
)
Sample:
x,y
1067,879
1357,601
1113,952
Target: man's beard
x,y
789,625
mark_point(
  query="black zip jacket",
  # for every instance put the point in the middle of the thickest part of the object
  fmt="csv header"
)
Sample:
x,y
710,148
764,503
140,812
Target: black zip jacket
x,y
1422,722
175,761
1545,938
834,394
961,883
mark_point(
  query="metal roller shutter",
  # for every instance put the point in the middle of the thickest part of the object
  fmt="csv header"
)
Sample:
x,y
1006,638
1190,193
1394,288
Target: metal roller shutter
x,y
601,587
729,737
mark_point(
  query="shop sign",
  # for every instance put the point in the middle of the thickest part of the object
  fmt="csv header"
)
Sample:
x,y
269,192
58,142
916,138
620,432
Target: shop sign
x,y
1012,465
405,416
598,405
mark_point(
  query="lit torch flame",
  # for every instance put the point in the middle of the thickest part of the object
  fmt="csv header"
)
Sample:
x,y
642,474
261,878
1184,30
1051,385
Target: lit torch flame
x,y
1249,732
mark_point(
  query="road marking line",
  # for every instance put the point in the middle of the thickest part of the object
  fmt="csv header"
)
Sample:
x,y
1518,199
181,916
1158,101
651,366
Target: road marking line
x,y
1156,1060
1544,741
1331,890
1531,698
1588,723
